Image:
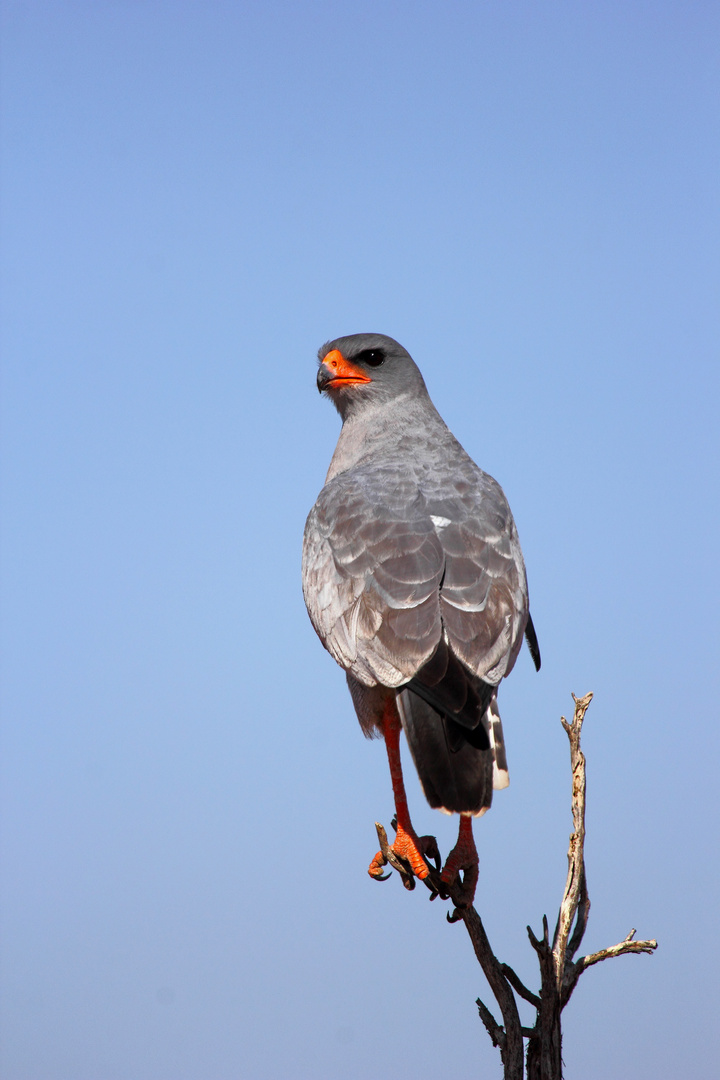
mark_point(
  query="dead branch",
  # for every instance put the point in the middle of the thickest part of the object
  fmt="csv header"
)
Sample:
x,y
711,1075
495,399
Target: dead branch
x,y
576,884
559,974
509,1039
519,987
626,946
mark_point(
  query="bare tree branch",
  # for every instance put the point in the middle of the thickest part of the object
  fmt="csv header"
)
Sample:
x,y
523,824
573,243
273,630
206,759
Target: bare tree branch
x,y
496,1033
626,946
558,973
575,885
511,1045
581,919
519,987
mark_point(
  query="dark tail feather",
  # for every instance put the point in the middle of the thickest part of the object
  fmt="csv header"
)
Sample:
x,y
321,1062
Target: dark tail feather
x,y
531,638
453,763
501,778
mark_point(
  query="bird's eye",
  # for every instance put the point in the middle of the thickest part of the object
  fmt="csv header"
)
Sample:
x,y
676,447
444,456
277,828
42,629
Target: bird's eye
x,y
372,357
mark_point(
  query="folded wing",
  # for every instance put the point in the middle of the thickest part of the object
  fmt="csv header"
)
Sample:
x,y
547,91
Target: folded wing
x,y
392,571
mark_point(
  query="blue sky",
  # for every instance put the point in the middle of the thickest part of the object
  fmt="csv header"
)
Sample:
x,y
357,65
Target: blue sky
x,y
195,197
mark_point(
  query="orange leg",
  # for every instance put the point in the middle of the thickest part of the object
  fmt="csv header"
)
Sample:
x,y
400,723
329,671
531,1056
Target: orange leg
x,y
463,857
407,845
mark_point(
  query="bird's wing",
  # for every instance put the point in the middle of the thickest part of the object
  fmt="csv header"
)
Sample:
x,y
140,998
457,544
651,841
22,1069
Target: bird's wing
x,y
483,598
372,567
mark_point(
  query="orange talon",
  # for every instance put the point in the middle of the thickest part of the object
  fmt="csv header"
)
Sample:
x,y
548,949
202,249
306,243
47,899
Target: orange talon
x,y
407,845
375,869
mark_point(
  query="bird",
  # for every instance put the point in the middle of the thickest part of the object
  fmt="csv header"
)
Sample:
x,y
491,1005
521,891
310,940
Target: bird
x,y
415,583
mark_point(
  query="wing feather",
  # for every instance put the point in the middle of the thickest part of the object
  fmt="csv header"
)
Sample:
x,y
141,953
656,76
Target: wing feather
x,y
371,573
391,567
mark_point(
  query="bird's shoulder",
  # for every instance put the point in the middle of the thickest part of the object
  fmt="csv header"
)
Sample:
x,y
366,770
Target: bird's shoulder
x,y
399,546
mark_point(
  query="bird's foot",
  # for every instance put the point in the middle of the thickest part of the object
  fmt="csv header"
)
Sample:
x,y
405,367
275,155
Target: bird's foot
x,y
407,854
462,859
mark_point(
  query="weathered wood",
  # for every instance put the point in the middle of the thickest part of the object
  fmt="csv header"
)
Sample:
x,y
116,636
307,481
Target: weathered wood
x,y
510,1041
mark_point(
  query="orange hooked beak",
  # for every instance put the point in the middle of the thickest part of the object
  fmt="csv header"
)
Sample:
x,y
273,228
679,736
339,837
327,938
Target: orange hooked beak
x,y
335,371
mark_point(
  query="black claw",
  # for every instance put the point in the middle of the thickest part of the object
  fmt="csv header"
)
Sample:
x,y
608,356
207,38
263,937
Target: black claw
x,y
437,886
381,877
434,893
455,917
431,851
396,863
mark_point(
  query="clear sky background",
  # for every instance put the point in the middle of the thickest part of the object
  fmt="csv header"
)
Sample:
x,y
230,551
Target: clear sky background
x,y
195,197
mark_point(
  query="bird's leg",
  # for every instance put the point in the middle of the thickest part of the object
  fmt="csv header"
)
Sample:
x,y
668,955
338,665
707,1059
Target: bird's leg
x,y
407,846
463,857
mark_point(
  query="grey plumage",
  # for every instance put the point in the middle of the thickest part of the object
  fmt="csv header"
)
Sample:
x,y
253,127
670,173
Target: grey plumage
x,y
413,575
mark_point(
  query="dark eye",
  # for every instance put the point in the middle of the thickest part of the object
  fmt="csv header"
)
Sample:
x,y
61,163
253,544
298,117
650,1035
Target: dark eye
x,y
371,357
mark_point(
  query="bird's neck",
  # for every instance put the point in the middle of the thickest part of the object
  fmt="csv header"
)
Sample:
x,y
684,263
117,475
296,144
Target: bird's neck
x,y
398,429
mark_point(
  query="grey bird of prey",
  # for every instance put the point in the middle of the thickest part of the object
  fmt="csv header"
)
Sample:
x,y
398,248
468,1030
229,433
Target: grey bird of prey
x,y
414,580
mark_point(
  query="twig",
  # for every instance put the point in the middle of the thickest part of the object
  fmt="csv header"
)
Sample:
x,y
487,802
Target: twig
x,y
519,987
626,946
629,945
494,1030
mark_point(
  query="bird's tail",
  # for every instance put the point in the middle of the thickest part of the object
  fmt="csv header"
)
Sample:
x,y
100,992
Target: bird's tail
x,y
458,767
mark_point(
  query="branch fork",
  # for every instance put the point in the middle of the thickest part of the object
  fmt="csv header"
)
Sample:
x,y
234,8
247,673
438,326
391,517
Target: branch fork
x,y
559,972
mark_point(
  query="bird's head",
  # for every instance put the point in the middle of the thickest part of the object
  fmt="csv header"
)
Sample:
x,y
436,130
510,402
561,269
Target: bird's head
x,y
364,370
